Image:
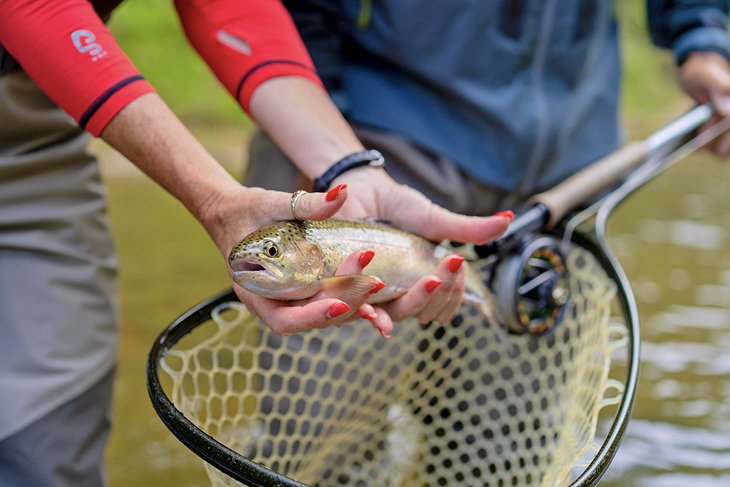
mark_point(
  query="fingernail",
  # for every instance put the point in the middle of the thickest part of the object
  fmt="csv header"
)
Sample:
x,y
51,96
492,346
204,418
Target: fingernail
x,y
370,316
383,334
432,285
377,287
507,214
365,258
335,192
337,309
455,263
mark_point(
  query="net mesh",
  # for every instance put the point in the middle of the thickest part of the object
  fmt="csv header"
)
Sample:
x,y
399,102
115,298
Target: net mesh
x,y
434,405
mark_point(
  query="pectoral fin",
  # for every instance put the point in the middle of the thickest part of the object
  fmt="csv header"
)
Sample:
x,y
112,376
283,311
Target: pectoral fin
x,y
348,288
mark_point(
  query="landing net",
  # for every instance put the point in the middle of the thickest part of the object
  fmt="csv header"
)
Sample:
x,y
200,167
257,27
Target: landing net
x,y
434,405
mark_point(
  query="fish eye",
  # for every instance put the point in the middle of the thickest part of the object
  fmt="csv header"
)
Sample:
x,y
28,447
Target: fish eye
x,y
271,249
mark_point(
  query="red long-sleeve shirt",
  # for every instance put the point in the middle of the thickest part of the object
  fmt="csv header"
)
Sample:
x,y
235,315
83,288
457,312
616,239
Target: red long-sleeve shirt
x,y
67,50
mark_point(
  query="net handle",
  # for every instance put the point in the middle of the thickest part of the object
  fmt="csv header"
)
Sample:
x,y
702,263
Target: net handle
x,y
205,446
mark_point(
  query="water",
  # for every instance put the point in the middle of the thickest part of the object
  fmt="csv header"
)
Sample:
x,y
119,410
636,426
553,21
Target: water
x,y
673,239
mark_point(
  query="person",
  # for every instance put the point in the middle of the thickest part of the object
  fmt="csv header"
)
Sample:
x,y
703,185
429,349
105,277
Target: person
x,y
63,78
481,105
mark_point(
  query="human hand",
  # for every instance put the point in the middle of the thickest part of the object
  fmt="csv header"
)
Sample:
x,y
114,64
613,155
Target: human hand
x,y
238,212
705,76
375,195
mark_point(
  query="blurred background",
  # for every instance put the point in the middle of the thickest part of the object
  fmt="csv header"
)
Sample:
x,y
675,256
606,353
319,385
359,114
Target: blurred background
x,y
672,238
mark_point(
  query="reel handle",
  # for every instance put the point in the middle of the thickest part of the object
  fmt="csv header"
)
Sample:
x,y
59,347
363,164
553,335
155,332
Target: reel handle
x,y
583,185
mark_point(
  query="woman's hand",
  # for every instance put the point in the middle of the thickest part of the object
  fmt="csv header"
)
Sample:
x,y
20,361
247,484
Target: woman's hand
x,y
306,125
437,296
705,76
230,216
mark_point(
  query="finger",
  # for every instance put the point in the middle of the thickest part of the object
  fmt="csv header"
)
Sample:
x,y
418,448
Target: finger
x,y
286,319
453,304
722,147
319,206
721,102
355,263
381,321
442,224
367,311
445,299
419,215
413,301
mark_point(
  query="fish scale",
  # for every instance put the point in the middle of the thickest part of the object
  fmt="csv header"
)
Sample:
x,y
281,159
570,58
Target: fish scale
x,y
307,254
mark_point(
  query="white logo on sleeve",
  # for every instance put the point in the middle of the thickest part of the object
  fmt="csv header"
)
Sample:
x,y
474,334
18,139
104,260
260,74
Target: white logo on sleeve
x,y
84,41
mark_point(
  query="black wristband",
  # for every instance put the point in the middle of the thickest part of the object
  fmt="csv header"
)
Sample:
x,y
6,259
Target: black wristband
x,y
365,158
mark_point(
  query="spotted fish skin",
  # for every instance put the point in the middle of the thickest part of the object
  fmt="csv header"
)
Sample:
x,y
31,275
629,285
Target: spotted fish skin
x,y
307,253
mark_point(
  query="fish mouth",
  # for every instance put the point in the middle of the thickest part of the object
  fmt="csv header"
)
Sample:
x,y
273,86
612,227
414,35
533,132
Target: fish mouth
x,y
242,266
244,269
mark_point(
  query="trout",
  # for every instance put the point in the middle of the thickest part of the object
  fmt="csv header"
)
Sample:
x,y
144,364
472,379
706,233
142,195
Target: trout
x,y
292,260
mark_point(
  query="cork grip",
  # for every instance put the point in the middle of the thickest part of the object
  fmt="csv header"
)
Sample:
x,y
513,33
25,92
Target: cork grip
x,y
581,186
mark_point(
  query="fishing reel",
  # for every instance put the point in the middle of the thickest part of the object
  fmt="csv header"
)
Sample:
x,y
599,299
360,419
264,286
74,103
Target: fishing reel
x,y
530,281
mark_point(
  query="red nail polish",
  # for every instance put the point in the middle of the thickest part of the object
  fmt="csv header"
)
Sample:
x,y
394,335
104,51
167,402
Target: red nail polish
x,y
507,214
432,285
377,287
365,258
370,316
455,263
335,192
337,310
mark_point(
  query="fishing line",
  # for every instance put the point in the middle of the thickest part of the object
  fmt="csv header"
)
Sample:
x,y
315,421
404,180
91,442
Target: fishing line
x,y
653,167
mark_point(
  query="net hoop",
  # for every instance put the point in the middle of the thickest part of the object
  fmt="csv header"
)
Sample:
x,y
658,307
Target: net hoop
x,y
202,444
250,472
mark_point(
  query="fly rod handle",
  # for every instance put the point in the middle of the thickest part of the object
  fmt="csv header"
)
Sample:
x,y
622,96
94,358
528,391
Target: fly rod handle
x,y
586,183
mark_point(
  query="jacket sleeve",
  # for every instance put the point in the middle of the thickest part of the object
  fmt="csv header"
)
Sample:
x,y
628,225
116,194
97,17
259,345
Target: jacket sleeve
x,y
70,54
245,42
685,26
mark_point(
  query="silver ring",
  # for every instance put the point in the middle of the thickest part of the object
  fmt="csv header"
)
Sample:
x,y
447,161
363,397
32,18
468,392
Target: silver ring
x,y
294,197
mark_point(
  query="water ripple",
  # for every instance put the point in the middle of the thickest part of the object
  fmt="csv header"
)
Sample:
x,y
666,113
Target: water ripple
x,y
670,447
684,233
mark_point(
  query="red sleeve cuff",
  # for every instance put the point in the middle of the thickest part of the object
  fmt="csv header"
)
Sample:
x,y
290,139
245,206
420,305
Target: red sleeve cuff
x,y
111,102
245,43
71,55
272,69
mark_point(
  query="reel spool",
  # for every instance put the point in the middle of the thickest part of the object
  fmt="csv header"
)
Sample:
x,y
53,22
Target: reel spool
x,y
531,284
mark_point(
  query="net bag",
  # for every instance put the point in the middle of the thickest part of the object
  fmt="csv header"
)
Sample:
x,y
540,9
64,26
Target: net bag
x,y
434,405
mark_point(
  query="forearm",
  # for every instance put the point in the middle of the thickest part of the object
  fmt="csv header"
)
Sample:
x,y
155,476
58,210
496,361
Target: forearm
x,y
304,123
255,51
150,136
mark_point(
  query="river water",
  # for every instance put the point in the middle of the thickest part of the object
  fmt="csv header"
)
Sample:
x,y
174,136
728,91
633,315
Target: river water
x,y
673,239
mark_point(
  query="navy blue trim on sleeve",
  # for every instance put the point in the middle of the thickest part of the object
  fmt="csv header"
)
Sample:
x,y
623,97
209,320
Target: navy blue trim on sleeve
x,y
264,64
96,104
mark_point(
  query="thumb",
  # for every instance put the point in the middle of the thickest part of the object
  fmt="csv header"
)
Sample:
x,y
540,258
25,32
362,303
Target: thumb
x,y
318,206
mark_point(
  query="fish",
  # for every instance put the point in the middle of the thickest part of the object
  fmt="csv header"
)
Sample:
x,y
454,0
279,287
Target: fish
x,y
294,260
